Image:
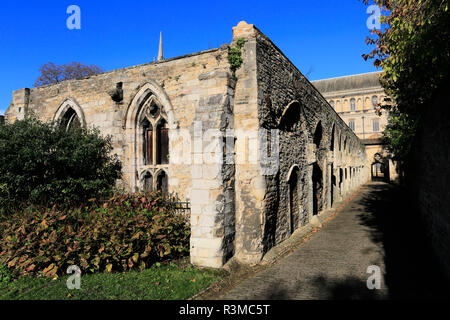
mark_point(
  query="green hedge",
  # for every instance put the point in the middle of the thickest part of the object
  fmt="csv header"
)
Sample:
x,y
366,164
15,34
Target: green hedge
x,y
128,232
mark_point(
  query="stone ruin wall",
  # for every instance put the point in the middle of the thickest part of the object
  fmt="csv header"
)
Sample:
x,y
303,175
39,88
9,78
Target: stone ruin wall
x,y
195,88
280,87
236,210
268,85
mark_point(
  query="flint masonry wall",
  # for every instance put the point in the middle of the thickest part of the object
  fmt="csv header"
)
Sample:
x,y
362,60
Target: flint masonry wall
x,y
283,88
271,87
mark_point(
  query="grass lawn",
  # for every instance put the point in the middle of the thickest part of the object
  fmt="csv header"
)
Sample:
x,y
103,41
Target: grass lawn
x,y
165,282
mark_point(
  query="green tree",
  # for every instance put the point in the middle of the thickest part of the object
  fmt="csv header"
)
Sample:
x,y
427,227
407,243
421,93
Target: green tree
x,y
413,49
45,164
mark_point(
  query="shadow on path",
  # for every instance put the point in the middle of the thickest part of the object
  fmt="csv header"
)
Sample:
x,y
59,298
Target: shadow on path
x,y
325,288
378,227
412,270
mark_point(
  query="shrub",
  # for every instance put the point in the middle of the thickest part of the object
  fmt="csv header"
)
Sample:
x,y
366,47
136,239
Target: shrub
x,y
127,232
5,275
43,163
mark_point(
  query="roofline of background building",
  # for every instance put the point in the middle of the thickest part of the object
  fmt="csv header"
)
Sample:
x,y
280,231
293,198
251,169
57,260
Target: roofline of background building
x,y
348,76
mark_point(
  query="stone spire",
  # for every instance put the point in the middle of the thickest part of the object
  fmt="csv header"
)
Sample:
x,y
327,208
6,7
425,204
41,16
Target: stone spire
x,y
160,53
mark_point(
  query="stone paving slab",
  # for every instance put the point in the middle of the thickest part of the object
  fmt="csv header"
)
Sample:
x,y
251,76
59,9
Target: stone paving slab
x,y
332,264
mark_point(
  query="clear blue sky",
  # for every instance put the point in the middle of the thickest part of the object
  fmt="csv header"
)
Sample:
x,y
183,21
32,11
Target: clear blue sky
x,y
322,38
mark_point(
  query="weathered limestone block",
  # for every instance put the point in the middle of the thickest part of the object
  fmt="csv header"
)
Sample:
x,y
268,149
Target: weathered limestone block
x,y
311,153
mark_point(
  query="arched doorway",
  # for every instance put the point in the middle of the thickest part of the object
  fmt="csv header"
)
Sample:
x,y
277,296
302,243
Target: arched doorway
x,y
317,174
317,178
149,117
317,140
333,177
332,186
380,168
294,198
377,171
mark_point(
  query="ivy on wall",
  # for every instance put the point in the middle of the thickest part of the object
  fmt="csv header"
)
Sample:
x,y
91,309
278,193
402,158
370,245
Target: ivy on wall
x,y
235,55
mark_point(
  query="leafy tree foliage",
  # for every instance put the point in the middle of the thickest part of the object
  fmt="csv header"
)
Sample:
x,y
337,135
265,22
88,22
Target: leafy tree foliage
x,y
400,131
413,49
43,163
51,73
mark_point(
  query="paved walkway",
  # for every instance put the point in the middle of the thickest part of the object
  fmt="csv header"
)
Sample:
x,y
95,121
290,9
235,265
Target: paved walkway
x,y
372,229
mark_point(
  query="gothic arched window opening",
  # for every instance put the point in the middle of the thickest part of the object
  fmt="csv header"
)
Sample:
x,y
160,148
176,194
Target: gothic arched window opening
x,y
154,130
291,118
162,142
148,182
162,182
318,135
70,120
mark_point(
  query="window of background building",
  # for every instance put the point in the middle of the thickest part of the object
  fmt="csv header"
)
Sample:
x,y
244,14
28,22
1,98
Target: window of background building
x,y
376,125
352,104
351,124
332,103
374,102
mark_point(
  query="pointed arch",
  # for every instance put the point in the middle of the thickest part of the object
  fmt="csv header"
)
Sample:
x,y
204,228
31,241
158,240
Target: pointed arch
x,y
290,117
66,106
147,181
317,184
145,91
162,181
148,119
293,182
291,170
333,134
318,134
